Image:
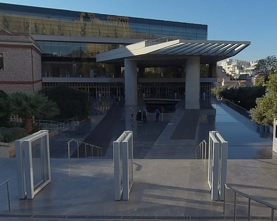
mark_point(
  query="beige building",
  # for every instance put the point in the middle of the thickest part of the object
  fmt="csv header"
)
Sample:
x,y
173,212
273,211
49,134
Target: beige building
x,y
20,63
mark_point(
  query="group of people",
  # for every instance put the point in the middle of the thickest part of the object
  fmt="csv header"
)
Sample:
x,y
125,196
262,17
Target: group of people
x,y
142,115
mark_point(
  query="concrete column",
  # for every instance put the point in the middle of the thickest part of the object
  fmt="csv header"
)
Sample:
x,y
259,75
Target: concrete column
x,y
192,82
131,91
213,70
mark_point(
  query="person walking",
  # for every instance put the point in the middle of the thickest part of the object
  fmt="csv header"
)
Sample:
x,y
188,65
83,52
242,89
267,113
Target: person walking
x,y
139,116
144,116
157,113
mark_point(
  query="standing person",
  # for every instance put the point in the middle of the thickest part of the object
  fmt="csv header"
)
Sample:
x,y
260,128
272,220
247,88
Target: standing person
x,y
132,113
139,115
144,116
157,113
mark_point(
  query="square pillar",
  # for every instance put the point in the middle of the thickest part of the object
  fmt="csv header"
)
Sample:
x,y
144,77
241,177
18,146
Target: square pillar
x,y
131,91
192,83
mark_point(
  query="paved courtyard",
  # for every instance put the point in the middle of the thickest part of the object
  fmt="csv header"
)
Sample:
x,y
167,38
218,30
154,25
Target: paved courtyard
x,y
169,183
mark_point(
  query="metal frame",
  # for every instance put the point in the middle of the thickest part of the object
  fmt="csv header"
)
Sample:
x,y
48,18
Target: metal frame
x,y
123,165
217,165
26,188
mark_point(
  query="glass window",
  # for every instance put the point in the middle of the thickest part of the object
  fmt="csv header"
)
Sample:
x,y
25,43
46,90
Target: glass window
x,y
1,62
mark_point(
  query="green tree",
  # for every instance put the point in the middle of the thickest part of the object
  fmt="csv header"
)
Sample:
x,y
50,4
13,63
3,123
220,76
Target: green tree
x,y
266,65
266,106
4,109
71,102
29,105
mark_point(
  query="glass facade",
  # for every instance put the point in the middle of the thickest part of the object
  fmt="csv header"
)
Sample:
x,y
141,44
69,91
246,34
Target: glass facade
x,y
43,21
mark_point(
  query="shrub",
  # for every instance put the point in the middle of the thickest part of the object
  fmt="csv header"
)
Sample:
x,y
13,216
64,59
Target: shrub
x,y
13,133
71,102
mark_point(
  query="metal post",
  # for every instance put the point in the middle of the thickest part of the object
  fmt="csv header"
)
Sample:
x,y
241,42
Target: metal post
x,y
249,201
85,150
224,202
91,147
77,149
202,151
205,150
68,150
235,205
8,193
272,214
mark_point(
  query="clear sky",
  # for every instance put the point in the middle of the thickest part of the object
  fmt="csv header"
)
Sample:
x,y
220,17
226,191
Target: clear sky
x,y
237,20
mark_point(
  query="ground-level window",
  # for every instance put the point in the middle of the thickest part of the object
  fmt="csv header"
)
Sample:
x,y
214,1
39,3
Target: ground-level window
x,y
1,62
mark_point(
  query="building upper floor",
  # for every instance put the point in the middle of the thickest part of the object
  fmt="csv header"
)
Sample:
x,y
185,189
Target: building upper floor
x,y
45,21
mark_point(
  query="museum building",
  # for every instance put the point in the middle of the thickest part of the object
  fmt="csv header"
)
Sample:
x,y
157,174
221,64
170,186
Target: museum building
x,y
107,54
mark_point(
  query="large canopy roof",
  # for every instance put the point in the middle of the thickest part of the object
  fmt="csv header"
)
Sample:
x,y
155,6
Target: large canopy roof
x,y
173,52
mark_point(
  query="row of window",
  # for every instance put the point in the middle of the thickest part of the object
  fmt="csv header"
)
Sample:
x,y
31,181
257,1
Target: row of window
x,y
37,25
68,49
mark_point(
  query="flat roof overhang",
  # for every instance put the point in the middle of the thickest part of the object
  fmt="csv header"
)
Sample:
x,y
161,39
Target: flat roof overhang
x,y
173,52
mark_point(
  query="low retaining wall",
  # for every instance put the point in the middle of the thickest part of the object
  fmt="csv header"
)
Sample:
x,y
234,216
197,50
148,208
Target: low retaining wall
x,y
7,150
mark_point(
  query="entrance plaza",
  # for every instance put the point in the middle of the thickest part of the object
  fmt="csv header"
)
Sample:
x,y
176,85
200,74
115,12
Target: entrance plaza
x,y
169,183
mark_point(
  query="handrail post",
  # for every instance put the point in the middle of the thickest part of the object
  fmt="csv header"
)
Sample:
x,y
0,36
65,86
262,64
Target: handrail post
x,y
272,214
68,150
235,205
224,202
205,152
249,202
8,193
85,150
77,149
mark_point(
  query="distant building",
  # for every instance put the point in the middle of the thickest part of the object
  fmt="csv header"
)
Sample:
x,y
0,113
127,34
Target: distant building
x,y
235,68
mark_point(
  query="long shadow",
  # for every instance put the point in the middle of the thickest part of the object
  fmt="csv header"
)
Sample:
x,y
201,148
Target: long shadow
x,y
102,134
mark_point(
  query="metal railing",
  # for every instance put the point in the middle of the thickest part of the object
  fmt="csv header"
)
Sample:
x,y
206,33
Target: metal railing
x,y
50,124
256,199
8,193
201,150
79,143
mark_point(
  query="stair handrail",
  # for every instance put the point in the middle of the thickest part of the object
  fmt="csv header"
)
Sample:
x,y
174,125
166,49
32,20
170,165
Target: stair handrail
x,y
8,192
203,150
78,142
256,199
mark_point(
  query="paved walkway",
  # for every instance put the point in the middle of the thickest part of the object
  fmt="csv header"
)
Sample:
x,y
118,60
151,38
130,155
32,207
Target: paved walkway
x,y
163,189
168,182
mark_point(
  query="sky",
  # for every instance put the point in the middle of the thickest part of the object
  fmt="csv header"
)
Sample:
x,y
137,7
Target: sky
x,y
234,20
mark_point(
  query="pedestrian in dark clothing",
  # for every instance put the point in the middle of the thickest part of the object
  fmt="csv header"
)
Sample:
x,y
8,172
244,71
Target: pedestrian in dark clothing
x,y
139,116
157,113
144,116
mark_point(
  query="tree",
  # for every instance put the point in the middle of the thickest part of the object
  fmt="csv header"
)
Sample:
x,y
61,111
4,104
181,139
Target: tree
x,y
266,65
266,106
4,109
71,102
29,105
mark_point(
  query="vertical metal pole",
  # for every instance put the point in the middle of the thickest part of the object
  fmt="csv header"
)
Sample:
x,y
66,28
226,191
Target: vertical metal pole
x,y
77,149
224,202
85,150
91,147
68,150
235,205
272,214
202,151
8,194
249,201
205,150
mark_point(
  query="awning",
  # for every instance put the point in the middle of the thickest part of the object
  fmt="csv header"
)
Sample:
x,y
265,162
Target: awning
x,y
170,52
